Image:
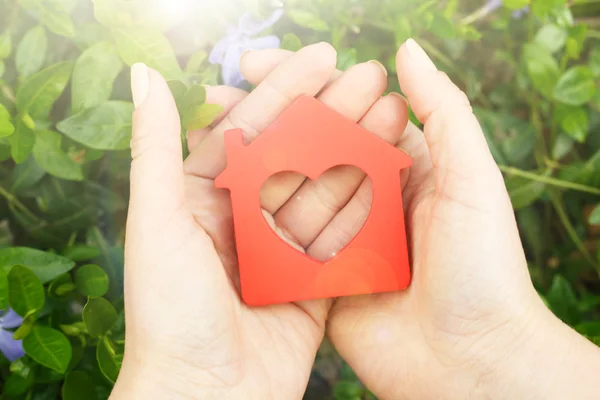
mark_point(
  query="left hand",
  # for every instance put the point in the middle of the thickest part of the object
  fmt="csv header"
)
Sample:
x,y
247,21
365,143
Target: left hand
x,y
188,333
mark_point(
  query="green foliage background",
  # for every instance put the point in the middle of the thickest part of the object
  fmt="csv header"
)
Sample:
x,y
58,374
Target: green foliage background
x,y
65,121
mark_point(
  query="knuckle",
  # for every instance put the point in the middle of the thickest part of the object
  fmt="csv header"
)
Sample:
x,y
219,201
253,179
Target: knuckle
x,y
236,120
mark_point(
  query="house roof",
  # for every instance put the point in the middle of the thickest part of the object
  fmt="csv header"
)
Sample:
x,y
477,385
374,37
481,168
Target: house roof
x,y
308,128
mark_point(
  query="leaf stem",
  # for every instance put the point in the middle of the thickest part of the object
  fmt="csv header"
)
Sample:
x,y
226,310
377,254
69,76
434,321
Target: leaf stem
x,y
559,183
564,219
11,198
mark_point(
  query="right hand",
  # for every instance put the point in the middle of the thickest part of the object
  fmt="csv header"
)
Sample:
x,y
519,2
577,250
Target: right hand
x,y
471,324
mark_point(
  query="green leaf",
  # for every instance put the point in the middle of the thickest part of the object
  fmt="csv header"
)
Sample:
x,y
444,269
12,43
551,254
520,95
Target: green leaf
x,y
46,266
61,286
195,61
5,46
94,74
6,127
346,58
81,252
178,90
91,280
58,21
194,96
109,359
26,326
541,8
469,32
402,29
515,4
37,93
291,42
552,37
562,146
562,300
2,68
16,384
106,127
307,19
74,329
48,347
78,386
3,290
541,67
576,86
593,219
443,27
523,192
150,47
594,62
563,16
575,41
49,155
31,52
573,121
26,174
25,291
202,116
21,142
99,316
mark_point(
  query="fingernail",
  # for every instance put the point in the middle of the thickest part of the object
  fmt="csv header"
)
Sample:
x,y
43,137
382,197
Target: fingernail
x,y
380,65
245,52
398,95
418,55
140,83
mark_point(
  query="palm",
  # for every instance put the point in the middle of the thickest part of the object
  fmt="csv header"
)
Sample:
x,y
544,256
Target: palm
x,y
272,348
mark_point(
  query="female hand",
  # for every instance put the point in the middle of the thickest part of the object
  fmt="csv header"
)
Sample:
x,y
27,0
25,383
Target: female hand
x,y
188,333
471,324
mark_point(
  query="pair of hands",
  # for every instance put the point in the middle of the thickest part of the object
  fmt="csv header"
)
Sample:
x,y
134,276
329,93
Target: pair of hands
x,y
470,325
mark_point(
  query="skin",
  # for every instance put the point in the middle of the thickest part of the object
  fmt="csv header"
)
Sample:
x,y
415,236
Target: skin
x,y
470,325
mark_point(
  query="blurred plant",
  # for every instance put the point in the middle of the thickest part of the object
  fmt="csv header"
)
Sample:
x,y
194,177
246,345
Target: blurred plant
x,y
228,50
65,121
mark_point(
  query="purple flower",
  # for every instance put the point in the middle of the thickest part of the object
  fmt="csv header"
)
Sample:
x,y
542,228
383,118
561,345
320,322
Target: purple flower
x,y
492,5
228,50
11,348
518,14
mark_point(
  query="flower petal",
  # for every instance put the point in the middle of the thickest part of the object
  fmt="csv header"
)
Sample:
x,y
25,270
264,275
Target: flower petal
x,y
11,348
492,5
250,26
10,320
231,66
217,55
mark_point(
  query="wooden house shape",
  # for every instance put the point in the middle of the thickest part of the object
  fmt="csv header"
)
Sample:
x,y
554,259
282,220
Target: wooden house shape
x,y
310,138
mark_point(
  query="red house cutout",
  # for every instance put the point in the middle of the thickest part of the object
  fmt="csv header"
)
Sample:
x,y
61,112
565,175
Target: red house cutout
x,y
310,138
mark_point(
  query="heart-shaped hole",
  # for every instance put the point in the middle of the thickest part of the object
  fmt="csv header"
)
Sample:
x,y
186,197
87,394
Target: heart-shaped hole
x,y
318,217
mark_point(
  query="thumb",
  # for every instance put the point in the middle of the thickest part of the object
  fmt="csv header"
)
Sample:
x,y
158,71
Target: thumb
x,y
464,168
157,182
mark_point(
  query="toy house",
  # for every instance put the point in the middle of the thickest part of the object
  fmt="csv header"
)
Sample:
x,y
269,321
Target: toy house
x,y
310,138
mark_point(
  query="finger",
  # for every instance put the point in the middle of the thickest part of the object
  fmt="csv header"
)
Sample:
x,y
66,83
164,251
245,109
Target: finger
x,y
225,96
315,203
419,177
344,226
464,167
351,95
347,222
256,65
304,73
155,150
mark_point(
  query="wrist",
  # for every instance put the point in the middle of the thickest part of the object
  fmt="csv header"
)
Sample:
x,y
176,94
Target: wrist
x,y
141,381
546,360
